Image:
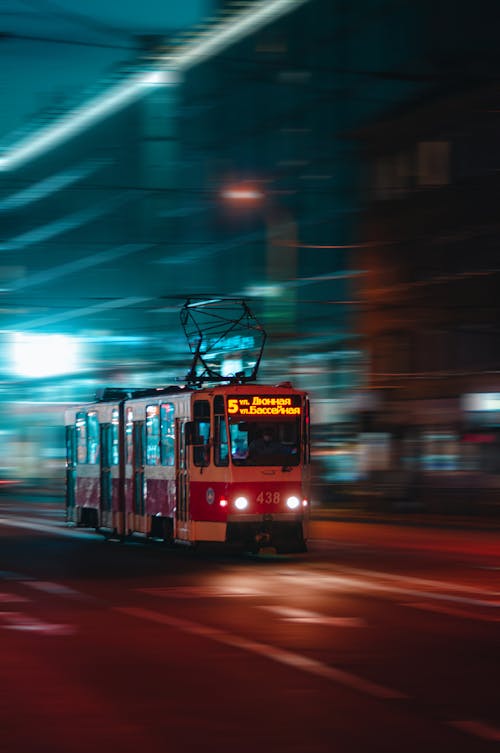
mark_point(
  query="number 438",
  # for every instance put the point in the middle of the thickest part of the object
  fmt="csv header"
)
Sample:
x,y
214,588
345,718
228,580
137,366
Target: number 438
x,y
268,498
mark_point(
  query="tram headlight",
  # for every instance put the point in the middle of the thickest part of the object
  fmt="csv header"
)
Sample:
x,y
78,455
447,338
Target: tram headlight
x,y
292,503
241,503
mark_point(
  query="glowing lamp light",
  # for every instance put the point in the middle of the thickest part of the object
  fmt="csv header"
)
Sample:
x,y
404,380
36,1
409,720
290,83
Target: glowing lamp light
x,y
241,503
305,503
44,355
223,503
242,194
292,503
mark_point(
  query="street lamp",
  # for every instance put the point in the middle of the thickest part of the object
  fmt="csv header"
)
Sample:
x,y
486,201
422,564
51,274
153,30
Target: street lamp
x,y
281,250
243,194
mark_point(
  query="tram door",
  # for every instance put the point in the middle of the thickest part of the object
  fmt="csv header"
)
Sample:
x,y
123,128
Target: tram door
x,y
138,467
70,471
105,471
181,480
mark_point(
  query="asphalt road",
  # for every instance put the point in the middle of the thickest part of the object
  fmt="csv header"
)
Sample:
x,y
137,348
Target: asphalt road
x,y
381,638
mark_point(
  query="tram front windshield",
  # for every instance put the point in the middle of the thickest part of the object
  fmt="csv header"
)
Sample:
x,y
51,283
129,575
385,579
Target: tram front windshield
x,y
265,442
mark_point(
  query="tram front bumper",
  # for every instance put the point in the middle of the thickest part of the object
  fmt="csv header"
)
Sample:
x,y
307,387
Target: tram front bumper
x,y
285,532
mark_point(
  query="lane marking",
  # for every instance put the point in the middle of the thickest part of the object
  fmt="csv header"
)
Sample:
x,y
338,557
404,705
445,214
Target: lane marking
x,y
193,592
6,598
54,588
453,612
394,577
478,729
46,586
331,581
288,658
302,615
449,586
18,621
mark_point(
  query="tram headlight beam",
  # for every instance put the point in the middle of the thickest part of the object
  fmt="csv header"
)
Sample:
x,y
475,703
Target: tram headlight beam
x,y
293,503
241,503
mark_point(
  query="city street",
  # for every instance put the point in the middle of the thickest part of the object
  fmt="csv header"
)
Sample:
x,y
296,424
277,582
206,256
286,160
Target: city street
x,y
249,377
380,638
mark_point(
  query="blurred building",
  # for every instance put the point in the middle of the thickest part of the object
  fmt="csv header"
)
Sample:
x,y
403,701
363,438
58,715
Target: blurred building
x,y
239,176
430,314
106,232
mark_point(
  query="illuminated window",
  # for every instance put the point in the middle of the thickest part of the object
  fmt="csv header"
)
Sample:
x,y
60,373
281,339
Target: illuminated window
x,y
152,435
167,428
129,437
270,442
93,444
201,449
221,446
239,442
81,437
440,451
115,437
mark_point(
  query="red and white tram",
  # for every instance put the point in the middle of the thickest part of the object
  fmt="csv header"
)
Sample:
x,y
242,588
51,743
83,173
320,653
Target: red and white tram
x,y
227,463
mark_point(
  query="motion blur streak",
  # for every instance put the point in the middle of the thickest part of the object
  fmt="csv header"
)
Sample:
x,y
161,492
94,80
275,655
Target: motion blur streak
x,y
75,121
85,311
44,188
76,266
233,30
204,46
69,222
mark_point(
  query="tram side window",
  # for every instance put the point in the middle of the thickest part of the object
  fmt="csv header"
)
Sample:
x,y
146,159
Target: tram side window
x,y
221,445
92,438
115,437
239,442
152,435
201,449
167,429
129,437
81,438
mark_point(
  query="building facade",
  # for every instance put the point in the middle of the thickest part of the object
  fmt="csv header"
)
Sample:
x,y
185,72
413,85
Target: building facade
x,y
429,296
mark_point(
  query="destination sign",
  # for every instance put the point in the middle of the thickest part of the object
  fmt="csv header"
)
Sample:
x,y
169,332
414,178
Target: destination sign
x,y
263,405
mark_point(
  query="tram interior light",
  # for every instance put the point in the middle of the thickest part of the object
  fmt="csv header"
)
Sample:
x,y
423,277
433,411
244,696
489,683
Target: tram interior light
x,y
44,355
